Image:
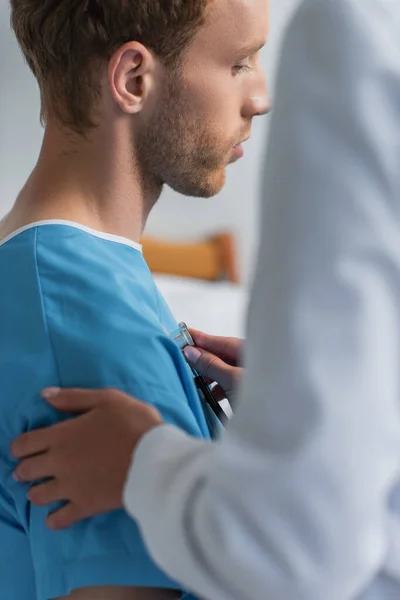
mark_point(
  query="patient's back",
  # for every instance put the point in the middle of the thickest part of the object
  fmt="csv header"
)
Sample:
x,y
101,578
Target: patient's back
x,y
80,309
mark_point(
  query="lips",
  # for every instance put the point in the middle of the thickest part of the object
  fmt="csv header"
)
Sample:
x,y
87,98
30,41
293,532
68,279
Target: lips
x,y
242,142
238,151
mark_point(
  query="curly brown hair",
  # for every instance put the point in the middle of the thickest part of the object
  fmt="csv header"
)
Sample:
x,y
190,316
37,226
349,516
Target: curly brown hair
x,y
64,40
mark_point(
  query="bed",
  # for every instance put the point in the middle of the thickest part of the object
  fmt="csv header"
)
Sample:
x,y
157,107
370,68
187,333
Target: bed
x,y
200,282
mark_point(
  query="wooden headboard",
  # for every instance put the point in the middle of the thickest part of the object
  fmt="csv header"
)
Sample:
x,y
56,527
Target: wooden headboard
x,y
213,259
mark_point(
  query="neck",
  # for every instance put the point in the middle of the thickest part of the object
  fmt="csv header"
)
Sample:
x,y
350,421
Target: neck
x,y
94,181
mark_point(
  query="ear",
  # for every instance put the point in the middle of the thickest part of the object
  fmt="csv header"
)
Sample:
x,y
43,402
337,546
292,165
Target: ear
x,y
131,74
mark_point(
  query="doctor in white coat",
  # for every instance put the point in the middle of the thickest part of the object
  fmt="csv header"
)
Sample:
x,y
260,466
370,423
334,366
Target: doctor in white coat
x,y
301,498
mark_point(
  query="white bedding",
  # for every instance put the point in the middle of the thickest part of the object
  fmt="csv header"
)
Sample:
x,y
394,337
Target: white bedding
x,y
216,308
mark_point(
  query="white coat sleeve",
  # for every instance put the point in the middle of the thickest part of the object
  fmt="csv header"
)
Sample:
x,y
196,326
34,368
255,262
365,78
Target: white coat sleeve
x,y
291,504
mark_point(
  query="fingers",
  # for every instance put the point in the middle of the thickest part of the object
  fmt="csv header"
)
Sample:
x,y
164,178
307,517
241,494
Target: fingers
x,y
211,366
74,400
28,444
227,348
65,517
45,493
33,469
68,400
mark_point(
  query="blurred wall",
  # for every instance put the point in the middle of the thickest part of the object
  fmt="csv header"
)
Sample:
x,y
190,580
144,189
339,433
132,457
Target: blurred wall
x,y
235,209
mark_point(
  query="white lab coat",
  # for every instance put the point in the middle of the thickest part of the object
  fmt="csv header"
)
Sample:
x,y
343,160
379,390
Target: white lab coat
x,y
300,501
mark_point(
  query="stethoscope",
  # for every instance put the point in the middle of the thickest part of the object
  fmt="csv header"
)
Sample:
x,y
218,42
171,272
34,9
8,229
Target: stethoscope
x,y
183,338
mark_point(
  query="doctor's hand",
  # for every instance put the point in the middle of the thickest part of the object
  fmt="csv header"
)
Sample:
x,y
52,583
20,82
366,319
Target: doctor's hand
x,y
83,460
218,359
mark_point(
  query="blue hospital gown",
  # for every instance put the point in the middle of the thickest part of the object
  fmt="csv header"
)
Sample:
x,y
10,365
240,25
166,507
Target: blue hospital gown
x,y
79,309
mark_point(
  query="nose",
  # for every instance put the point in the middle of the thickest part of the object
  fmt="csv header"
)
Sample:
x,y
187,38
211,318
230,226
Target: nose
x,y
259,101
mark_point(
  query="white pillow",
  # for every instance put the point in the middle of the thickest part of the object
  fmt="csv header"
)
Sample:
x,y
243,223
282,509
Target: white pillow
x,y
216,308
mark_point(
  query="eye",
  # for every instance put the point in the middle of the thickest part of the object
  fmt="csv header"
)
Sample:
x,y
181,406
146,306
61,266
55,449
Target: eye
x,y
242,68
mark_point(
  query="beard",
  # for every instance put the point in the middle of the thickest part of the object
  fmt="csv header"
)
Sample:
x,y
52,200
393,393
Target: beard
x,y
177,149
